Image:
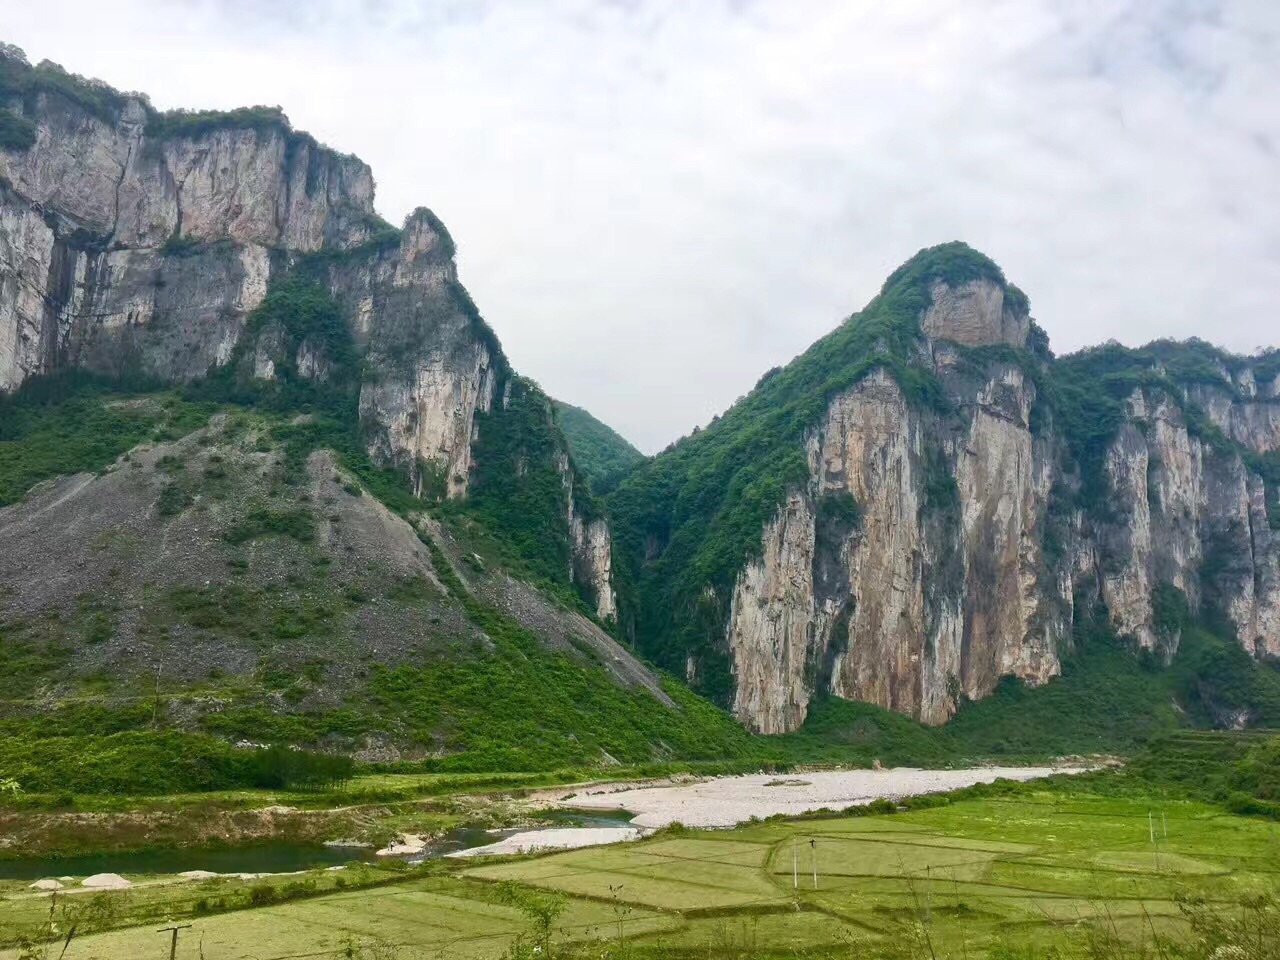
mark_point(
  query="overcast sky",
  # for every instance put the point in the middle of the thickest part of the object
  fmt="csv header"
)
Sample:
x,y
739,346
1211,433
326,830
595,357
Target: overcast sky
x,y
656,200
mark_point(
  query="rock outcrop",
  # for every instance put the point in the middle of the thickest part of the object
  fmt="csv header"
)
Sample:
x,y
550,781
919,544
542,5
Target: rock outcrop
x,y
975,314
773,622
1189,514
123,251
591,553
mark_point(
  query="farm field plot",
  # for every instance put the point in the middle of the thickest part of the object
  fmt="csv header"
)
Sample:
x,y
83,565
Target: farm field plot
x,y
439,917
956,880
980,871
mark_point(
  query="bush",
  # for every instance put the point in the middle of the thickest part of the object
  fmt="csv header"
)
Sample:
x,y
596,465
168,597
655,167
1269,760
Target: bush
x,y
280,768
197,123
143,762
16,133
299,524
173,500
262,895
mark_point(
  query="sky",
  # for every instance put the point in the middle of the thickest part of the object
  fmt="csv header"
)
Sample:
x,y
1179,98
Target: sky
x,y
655,201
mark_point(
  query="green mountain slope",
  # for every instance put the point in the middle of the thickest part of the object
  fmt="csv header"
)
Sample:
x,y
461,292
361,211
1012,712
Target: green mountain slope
x,y
600,453
187,568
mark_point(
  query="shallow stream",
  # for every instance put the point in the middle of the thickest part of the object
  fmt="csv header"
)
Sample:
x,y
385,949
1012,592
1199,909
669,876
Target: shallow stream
x,y
267,857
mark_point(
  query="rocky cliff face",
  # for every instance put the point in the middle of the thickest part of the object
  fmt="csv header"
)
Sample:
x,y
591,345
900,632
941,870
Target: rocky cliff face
x,y
137,244
907,608
1192,515
956,518
974,314
123,252
591,553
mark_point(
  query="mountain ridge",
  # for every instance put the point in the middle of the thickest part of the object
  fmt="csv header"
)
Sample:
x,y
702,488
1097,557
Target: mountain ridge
x,y
1006,456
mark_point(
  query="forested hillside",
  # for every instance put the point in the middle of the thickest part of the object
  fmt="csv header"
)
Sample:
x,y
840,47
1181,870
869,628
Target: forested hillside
x,y
601,454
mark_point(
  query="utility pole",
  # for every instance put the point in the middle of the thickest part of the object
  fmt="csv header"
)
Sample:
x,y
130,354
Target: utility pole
x,y
173,944
928,892
813,855
1155,848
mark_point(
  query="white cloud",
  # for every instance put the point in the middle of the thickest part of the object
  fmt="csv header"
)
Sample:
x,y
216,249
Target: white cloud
x,y
656,201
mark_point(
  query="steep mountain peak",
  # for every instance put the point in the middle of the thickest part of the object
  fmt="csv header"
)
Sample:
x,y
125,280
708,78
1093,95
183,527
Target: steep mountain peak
x,y
970,301
425,233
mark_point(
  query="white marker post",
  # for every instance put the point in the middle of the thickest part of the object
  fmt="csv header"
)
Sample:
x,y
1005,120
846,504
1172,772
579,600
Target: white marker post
x,y
795,866
813,852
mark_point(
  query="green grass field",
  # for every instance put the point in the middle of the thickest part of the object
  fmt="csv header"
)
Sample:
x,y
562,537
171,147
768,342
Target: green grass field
x,y
1029,870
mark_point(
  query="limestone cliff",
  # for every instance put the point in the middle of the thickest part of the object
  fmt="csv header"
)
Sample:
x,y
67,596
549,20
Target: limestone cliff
x,y
138,245
1191,514
914,609
591,556
946,500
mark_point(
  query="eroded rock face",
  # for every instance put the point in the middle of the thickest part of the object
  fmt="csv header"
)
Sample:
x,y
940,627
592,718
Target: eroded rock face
x,y
117,248
1127,585
28,330
908,608
974,314
1181,505
871,448
590,549
1257,618
1255,423
265,185
772,624
425,419
593,563
1012,622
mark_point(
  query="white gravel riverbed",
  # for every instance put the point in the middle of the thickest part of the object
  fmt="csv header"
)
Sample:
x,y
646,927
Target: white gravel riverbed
x,y
726,801
555,838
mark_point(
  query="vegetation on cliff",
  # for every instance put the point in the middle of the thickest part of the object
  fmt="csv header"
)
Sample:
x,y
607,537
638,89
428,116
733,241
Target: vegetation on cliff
x,y
19,80
601,454
16,133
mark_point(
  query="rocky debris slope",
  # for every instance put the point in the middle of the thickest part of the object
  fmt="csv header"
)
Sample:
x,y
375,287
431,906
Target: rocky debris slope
x,y
212,568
